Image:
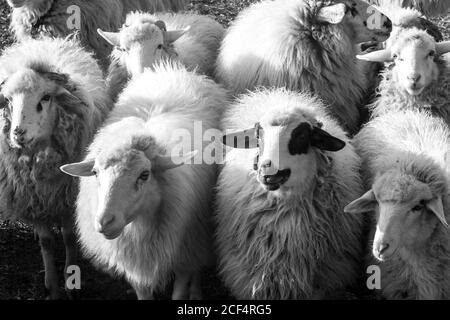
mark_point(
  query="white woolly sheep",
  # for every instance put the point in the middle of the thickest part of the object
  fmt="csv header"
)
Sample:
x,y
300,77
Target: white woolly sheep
x,y
281,229
145,39
146,216
417,78
32,18
406,163
427,7
53,99
301,45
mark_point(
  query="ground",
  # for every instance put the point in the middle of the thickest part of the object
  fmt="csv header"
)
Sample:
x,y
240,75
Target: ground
x,y
21,270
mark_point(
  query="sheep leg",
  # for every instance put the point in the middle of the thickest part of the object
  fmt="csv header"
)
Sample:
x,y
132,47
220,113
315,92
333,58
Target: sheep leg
x,y
70,243
48,244
181,286
195,288
144,293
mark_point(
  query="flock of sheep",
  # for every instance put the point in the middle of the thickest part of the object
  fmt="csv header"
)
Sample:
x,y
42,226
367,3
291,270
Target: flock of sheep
x,y
308,195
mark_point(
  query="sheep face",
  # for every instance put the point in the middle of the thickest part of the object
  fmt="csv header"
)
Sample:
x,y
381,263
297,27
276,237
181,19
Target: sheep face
x,y
288,148
415,67
127,183
367,23
32,107
142,42
414,57
406,210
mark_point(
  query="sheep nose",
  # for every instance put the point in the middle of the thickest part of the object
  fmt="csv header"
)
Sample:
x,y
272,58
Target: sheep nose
x,y
383,248
414,77
105,222
19,132
266,164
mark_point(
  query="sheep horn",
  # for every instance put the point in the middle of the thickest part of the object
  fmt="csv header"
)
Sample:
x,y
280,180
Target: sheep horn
x,y
161,24
377,56
246,139
443,47
163,163
437,208
113,38
172,36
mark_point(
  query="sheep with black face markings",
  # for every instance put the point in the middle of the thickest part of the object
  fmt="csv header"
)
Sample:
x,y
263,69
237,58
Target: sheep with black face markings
x,y
281,229
146,216
146,39
35,18
406,163
302,45
53,98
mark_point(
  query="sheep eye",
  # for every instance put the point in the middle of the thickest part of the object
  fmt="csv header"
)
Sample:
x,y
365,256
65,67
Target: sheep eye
x,y
395,56
160,47
432,53
46,98
144,175
95,172
419,207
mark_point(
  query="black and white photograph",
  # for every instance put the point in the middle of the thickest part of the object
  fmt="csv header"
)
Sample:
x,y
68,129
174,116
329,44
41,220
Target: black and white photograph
x,y
241,152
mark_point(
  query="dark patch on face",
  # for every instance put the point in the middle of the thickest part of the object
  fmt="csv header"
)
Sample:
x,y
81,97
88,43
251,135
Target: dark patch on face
x,y
304,136
300,140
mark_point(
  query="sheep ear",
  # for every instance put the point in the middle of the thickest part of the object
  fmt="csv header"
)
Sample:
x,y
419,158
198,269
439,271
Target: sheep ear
x,y
325,141
165,163
437,208
113,38
362,205
332,14
377,56
443,47
246,139
174,35
80,169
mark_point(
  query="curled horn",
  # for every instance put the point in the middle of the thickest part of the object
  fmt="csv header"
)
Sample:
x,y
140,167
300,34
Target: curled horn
x,y
161,24
443,47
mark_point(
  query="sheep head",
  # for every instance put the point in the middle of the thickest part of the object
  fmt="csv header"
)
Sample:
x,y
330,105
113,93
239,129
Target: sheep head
x,y
366,22
414,54
407,212
288,149
142,42
126,179
31,99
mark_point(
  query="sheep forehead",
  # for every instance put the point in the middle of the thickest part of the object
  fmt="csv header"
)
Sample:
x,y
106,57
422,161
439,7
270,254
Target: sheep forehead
x,y
25,81
400,188
139,32
416,39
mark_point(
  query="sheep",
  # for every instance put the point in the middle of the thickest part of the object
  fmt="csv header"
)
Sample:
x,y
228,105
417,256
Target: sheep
x,y
407,18
33,18
146,215
427,7
281,230
301,45
405,156
416,78
53,98
145,39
